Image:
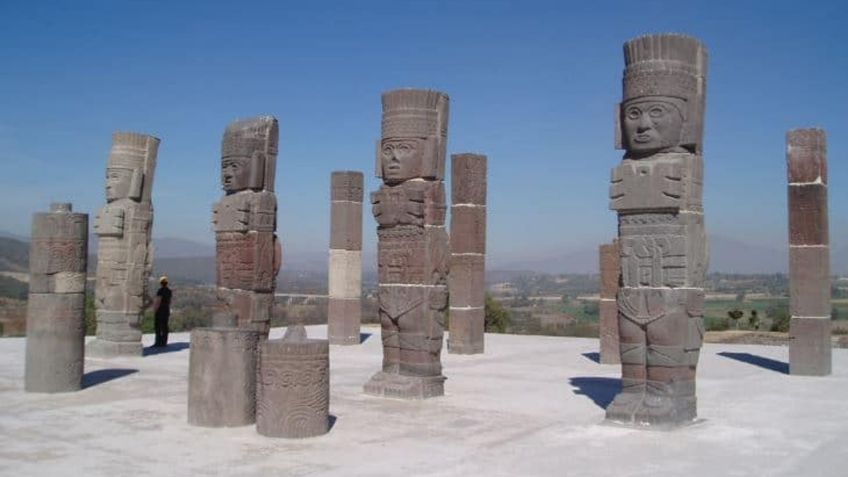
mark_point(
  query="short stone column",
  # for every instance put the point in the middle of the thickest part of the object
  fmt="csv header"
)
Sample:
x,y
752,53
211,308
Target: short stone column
x,y
344,309
55,325
610,273
222,377
468,254
809,253
293,391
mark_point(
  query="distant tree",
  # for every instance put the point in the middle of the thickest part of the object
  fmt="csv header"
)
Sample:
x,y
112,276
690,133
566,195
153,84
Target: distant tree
x,y
754,320
497,317
779,318
734,315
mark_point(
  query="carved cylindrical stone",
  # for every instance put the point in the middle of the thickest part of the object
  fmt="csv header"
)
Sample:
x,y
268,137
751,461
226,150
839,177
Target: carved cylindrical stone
x,y
468,249
412,248
610,272
345,273
124,256
293,391
55,325
248,254
222,377
809,253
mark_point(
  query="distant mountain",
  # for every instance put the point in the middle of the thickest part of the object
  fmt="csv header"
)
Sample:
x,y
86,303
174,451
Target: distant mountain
x,y
728,255
169,247
14,255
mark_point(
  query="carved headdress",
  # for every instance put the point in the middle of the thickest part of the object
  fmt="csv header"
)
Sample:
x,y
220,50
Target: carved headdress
x,y
136,152
673,66
422,114
255,138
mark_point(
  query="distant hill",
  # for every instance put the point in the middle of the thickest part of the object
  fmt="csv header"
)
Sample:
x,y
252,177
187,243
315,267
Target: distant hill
x,y
169,247
14,255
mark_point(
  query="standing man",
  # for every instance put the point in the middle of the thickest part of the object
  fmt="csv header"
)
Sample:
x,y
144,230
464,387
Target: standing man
x,y
162,311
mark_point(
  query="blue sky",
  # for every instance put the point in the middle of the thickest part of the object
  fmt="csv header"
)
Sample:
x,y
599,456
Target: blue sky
x,y
532,84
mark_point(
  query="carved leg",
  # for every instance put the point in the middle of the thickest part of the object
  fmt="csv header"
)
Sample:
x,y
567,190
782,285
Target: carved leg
x,y
421,344
633,373
391,344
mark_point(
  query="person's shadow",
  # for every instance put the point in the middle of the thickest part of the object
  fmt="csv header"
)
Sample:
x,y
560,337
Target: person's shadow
x,y
171,348
763,362
93,378
600,390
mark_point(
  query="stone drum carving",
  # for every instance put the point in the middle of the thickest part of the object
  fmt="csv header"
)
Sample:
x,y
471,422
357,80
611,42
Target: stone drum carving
x,y
345,275
124,256
412,243
809,253
55,325
245,221
468,254
656,191
293,390
222,377
610,273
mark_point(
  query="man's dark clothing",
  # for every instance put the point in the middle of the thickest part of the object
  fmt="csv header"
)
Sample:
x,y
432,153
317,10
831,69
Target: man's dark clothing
x,y
162,315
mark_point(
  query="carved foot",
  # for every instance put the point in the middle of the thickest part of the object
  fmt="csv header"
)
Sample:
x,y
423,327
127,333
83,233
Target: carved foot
x,y
668,405
623,408
405,387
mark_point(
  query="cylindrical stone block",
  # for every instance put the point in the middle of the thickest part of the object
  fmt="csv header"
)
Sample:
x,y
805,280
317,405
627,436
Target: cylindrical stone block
x,y
467,326
222,377
293,391
467,281
607,308
343,326
345,272
55,324
468,229
468,179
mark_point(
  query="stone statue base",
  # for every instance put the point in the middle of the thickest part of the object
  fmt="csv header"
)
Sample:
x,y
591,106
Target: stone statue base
x,y
405,387
112,349
660,406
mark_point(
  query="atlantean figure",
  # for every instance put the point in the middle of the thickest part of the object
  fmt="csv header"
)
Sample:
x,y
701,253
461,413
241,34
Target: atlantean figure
x,y
413,243
56,306
124,256
656,191
809,253
245,221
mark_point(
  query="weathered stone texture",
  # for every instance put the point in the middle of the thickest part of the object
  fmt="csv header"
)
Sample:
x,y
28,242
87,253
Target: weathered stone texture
x,y
55,325
809,253
610,276
467,282
344,331
468,179
293,388
657,192
345,274
467,327
245,222
222,377
413,249
124,256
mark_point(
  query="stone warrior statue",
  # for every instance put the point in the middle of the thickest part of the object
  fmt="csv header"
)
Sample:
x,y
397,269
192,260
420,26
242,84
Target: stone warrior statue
x,y
245,221
413,243
125,256
656,191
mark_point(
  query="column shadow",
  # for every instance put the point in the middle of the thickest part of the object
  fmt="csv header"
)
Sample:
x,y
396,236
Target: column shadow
x,y
93,378
763,362
363,337
171,348
600,390
596,357
331,421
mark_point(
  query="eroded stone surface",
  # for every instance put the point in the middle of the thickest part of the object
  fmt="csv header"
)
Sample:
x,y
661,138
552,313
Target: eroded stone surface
x,y
345,273
607,308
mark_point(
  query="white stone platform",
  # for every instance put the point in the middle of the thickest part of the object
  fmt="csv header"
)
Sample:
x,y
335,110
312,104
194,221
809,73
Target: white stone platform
x,y
531,406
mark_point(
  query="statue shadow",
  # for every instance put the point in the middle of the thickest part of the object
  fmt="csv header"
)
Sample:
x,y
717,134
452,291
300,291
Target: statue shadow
x,y
93,378
600,390
763,362
363,337
596,357
331,421
171,348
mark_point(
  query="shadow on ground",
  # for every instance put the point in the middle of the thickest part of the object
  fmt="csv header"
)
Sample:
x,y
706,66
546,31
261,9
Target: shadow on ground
x,y
152,350
596,357
93,378
767,363
363,337
331,421
600,390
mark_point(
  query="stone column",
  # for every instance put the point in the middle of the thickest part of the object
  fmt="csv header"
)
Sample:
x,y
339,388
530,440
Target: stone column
x,y
608,309
656,191
124,255
468,254
293,391
222,377
55,325
245,221
412,243
809,253
345,275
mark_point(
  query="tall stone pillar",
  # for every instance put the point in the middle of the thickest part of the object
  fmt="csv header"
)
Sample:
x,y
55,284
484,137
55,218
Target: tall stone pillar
x,y
124,256
809,253
345,275
412,243
468,254
55,325
245,221
610,273
656,191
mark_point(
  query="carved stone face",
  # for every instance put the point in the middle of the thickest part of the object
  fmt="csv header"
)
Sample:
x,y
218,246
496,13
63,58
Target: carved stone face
x,y
235,173
650,125
400,158
118,180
